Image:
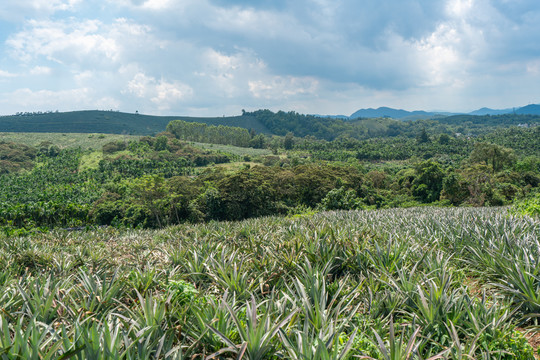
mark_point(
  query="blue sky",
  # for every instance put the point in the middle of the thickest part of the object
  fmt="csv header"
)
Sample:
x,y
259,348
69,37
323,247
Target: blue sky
x,y
217,57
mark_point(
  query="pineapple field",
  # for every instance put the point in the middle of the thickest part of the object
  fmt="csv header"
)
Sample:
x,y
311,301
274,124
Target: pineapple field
x,y
416,283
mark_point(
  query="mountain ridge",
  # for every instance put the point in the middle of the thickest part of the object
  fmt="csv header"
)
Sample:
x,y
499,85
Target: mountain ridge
x,y
532,109
258,122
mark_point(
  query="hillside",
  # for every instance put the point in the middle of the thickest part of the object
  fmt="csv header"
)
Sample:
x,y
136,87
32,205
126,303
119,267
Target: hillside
x,y
529,109
84,141
111,122
264,122
392,113
420,114
504,120
488,111
525,110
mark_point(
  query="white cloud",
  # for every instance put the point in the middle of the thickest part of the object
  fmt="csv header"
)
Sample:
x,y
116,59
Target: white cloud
x,y
64,100
50,5
211,56
226,75
17,10
279,87
459,8
6,74
157,4
166,94
40,70
140,85
251,23
63,42
160,92
533,67
123,27
88,43
106,102
84,76
441,57
221,62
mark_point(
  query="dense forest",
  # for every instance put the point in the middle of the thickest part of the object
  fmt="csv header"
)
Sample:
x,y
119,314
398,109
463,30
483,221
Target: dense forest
x,y
166,179
280,123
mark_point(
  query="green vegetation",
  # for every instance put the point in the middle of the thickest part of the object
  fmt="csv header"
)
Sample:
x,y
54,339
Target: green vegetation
x,y
299,125
161,181
111,122
200,132
108,122
529,206
64,140
268,247
397,283
15,157
234,150
264,122
64,188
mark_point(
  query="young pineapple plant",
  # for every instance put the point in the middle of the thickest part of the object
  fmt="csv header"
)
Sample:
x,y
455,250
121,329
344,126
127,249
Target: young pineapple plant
x,y
455,283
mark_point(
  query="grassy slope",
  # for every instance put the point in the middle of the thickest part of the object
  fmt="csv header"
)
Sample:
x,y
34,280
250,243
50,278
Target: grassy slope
x,y
110,122
96,141
63,140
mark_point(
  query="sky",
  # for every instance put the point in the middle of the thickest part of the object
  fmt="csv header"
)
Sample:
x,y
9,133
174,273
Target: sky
x,y
217,57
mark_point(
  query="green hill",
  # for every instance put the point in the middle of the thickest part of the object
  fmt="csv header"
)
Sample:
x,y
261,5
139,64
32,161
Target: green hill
x,y
262,122
111,122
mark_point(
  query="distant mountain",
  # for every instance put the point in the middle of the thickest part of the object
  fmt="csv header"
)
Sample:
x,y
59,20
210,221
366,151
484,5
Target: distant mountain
x,y
487,111
533,109
341,117
414,115
392,113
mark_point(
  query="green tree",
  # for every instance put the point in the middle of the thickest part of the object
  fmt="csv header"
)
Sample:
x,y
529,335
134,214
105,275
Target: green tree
x,y
257,142
341,199
161,144
455,189
288,142
428,182
150,193
444,139
422,137
491,154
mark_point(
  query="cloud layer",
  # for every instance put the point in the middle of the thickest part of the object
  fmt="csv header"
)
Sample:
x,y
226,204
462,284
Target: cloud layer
x,y
214,57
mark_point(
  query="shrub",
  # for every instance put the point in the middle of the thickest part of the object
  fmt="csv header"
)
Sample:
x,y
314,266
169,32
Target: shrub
x,y
114,146
341,199
529,206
